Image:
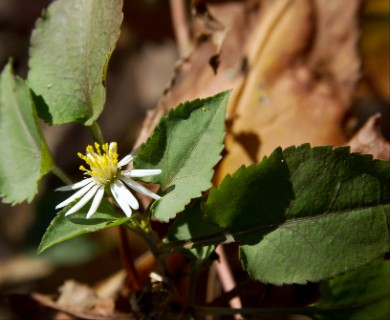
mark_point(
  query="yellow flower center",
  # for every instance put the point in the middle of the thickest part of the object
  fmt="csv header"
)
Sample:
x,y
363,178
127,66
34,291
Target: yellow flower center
x,y
103,164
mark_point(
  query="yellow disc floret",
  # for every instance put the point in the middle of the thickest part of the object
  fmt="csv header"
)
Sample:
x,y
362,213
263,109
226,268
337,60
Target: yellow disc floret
x,y
103,163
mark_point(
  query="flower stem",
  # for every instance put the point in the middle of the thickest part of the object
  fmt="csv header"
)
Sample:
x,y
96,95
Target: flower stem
x,y
96,132
61,175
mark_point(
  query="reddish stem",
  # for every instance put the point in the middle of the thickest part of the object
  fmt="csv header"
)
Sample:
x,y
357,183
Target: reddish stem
x,y
132,275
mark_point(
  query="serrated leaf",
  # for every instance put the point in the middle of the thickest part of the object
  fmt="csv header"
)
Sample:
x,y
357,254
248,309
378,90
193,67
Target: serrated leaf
x,y
186,145
257,195
25,158
190,224
63,228
361,294
70,47
329,215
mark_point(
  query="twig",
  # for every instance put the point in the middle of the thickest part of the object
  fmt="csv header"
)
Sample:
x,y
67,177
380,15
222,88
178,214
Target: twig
x,y
226,278
180,26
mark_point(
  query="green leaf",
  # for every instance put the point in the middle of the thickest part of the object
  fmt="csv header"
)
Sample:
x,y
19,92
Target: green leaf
x,y
256,196
186,145
190,224
73,252
70,49
328,216
25,158
361,294
63,228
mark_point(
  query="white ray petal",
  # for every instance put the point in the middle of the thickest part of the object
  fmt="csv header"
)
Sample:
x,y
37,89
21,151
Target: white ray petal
x,y
96,202
75,186
126,160
119,200
125,194
139,188
112,147
76,195
135,173
83,200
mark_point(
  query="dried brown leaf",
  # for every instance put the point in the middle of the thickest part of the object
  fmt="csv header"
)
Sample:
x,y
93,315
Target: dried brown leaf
x,y
194,77
369,140
81,301
293,66
302,72
375,48
84,302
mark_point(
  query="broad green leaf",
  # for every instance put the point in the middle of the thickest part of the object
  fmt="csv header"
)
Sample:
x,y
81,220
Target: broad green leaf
x,y
70,48
360,294
256,196
328,216
73,252
63,228
186,145
190,224
24,158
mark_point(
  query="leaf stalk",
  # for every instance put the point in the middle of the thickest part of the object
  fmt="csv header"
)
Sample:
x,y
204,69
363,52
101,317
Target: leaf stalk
x,y
96,132
61,175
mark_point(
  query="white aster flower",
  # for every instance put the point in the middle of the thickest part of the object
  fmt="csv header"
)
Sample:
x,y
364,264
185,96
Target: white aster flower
x,y
106,171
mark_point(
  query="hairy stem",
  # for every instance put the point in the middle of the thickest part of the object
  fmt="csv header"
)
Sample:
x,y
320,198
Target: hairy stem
x,y
218,237
212,239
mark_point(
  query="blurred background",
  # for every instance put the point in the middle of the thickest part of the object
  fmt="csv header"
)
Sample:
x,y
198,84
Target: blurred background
x,y
140,70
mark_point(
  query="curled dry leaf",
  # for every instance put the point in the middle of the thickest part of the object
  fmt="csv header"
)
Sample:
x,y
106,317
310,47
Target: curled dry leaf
x,y
303,66
85,302
369,140
81,301
208,27
193,76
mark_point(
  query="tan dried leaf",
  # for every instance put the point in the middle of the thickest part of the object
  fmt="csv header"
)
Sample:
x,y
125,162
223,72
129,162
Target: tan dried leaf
x,y
369,140
81,301
22,268
302,72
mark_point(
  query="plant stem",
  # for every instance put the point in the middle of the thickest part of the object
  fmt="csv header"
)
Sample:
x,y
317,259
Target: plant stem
x,y
217,238
151,241
96,132
208,240
132,275
61,175
251,311
192,293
